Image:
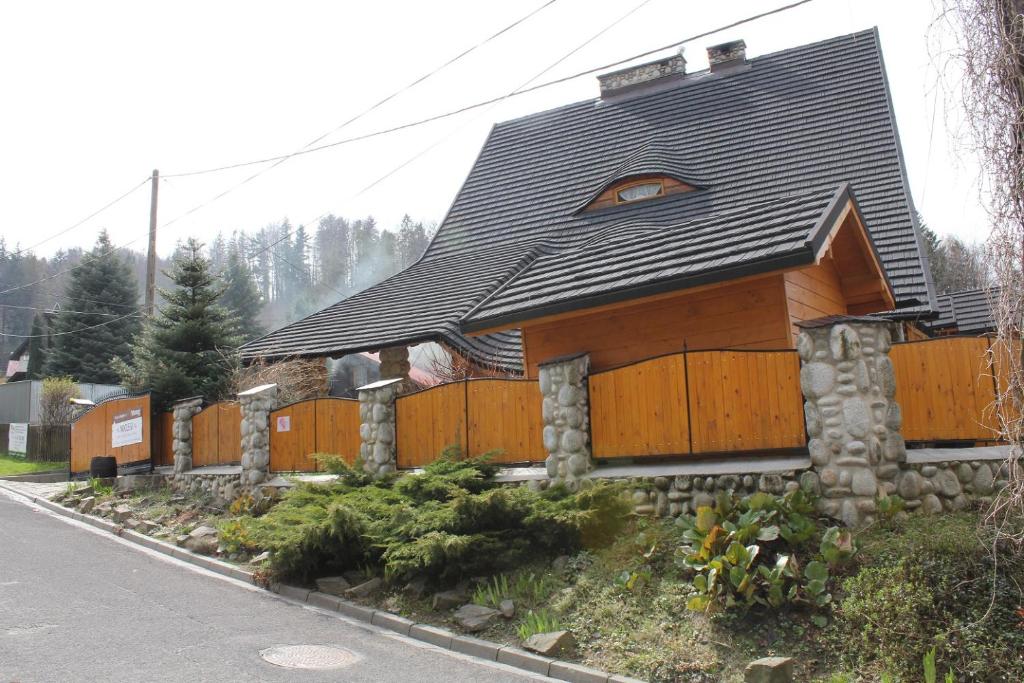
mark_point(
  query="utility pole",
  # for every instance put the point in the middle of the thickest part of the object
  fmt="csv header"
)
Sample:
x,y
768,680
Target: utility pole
x,y
151,258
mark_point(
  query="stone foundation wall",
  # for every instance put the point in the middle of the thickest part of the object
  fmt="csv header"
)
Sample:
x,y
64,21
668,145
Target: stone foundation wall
x,y
950,486
224,488
674,496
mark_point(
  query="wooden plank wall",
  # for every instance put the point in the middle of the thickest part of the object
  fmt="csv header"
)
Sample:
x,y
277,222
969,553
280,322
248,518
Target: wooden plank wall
x,y
505,415
205,426
945,389
337,427
745,401
163,439
640,409
744,315
322,425
229,432
813,292
91,435
1004,366
291,447
429,421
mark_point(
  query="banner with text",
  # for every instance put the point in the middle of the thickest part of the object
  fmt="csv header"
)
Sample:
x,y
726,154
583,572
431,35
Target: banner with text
x,y
17,439
126,428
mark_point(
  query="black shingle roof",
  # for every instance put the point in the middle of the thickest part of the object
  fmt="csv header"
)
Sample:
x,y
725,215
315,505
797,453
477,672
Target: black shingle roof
x,y
968,311
795,123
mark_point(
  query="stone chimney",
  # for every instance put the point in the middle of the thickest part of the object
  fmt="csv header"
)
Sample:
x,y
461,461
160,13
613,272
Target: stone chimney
x,y
727,56
663,71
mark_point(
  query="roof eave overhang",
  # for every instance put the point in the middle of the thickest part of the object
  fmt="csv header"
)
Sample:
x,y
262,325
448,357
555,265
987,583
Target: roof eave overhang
x,y
802,257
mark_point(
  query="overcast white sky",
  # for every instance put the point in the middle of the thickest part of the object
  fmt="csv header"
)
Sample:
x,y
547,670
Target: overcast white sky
x,y
95,95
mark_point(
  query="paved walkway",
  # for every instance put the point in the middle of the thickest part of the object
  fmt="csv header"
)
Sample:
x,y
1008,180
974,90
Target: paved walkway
x,y
79,605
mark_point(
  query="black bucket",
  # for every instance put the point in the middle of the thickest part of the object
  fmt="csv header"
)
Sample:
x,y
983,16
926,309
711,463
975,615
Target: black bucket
x,y
103,467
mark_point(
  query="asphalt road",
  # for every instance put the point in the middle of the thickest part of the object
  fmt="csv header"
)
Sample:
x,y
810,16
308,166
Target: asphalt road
x,y
77,605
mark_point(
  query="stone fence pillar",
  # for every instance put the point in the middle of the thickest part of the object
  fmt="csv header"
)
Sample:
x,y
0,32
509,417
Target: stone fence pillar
x,y
255,405
853,420
377,426
563,384
182,432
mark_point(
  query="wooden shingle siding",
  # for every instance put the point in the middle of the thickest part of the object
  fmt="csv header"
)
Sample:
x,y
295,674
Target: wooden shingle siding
x,y
747,315
945,389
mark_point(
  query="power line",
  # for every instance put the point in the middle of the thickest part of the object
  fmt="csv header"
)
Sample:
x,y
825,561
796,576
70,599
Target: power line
x,y
277,162
136,313
87,218
280,160
381,102
58,310
430,119
495,100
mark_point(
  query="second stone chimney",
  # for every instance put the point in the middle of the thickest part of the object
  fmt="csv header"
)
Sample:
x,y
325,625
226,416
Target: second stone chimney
x,y
727,55
633,78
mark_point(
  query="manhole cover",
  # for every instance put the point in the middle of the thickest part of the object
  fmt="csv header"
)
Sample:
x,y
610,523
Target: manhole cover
x,y
308,656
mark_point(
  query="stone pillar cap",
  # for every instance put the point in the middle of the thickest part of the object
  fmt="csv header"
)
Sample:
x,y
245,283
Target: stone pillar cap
x,y
840,320
188,401
256,390
562,359
380,383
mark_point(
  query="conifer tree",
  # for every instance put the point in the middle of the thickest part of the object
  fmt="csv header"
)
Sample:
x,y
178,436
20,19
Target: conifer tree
x,y
241,297
104,320
38,345
187,348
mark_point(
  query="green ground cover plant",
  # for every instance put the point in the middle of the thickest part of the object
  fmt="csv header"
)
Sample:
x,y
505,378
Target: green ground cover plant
x,y
449,522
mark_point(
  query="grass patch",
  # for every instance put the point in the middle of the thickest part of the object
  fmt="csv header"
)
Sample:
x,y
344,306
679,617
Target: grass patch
x,y
11,466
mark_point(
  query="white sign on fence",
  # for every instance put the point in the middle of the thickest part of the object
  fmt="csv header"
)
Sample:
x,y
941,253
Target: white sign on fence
x,y
126,428
17,439
284,423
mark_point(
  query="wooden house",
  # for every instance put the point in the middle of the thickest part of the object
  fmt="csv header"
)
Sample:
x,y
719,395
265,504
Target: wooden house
x,y
702,210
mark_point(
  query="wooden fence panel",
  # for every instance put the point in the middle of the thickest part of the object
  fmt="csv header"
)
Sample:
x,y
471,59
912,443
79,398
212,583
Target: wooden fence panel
x,y
229,432
945,389
91,434
163,439
505,415
205,440
293,438
640,409
1004,366
337,427
429,421
745,401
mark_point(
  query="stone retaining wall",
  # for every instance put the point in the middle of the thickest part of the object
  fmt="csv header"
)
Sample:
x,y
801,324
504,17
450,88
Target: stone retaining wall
x,y
950,485
673,496
224,488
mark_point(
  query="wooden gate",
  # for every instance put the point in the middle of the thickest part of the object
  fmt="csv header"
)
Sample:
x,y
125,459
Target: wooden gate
x,y
92,434
217,435
323,425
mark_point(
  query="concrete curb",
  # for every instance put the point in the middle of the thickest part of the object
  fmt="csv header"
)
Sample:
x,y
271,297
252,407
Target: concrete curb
x,y
427,633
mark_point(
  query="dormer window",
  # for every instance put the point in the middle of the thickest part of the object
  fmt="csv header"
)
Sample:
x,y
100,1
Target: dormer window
x,y
637,188
635,192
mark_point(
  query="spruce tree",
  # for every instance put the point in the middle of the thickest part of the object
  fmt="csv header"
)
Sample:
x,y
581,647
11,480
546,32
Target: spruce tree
x,y
37,347
101,320
241,297
187,349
